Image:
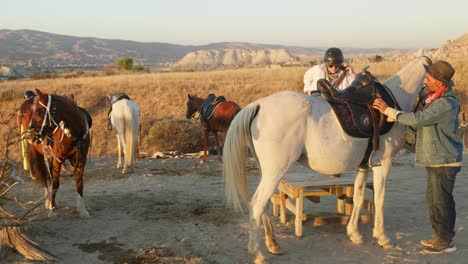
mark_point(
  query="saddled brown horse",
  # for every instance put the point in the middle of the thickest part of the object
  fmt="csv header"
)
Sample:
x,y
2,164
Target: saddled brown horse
x,y
219,121
56,131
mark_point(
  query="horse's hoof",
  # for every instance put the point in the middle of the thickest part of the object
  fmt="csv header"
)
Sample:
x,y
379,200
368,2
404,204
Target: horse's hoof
x,y
52,214
273,249
202,161
385,242
259,259
84,213
356,238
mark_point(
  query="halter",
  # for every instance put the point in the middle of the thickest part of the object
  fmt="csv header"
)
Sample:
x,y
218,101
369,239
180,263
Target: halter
x,y
47,115
418,101
195,117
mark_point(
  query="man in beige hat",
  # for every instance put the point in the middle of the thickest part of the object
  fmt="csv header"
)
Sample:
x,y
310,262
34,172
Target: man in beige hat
x,y
437,148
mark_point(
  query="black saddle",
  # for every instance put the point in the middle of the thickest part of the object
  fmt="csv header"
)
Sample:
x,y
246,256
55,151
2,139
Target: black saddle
x,y
353,107
209,105
361,91
121,96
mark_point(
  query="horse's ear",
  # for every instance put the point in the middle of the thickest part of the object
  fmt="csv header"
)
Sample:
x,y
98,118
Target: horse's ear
x,y
189,96
419,53
42,96
437,55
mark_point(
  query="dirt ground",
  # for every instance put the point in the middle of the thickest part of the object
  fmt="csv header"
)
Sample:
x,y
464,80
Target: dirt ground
x,y
173,211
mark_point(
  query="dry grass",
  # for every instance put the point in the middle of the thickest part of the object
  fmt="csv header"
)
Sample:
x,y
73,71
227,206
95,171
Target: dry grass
x,y
164,95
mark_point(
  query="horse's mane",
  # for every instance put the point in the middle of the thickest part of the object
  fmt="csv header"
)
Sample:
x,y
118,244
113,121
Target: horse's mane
x,y
72,113
411,73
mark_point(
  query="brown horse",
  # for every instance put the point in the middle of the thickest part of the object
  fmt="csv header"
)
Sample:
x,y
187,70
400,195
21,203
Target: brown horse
x,y
219,121
56,131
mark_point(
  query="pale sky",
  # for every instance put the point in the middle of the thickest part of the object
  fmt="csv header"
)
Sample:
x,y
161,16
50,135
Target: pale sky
x,y
308,23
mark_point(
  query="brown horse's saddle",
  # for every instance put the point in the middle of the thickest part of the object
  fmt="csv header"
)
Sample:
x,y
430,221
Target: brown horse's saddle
x,y
209,105
353,107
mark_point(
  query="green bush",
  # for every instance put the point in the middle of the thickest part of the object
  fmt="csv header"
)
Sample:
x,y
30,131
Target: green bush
x,y
174,134
125,63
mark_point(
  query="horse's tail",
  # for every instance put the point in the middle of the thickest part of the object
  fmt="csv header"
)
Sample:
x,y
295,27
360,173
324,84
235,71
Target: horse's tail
x,y
37,167
235,149
131,127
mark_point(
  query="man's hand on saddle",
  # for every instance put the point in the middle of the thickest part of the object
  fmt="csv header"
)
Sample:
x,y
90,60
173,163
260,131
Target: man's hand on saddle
x,y
379,104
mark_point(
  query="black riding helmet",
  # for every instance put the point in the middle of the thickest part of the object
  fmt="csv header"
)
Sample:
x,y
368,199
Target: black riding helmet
x,y
333,56
29,94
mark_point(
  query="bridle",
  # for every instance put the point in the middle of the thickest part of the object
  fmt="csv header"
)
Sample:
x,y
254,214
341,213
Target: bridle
x,y
47,116
193,116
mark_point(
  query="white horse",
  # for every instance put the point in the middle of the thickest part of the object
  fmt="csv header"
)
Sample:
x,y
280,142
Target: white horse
x,y
306,129
125,118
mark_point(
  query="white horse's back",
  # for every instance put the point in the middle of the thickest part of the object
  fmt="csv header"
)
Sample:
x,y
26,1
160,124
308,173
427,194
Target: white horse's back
x,y
304,127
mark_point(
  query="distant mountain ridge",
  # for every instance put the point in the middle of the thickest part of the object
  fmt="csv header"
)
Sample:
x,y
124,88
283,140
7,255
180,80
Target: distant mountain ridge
x,y
20,46
46,50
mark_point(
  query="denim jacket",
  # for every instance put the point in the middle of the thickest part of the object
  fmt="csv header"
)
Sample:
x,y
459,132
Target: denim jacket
x,y
437,142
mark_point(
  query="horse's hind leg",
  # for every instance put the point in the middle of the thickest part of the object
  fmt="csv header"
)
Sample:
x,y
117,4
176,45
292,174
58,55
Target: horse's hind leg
x,y
258,203
119,152
80,205
218,150
205,142
270,239
358,200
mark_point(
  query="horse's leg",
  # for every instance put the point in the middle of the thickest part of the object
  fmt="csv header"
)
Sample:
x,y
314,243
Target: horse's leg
x,y
80,205
380,179
270,239
119,152
48,200
262,195
139,144
358,200
56,167
218,150
205,143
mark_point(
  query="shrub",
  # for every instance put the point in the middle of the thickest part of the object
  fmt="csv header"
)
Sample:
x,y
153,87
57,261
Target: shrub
x,y
125,63
174,134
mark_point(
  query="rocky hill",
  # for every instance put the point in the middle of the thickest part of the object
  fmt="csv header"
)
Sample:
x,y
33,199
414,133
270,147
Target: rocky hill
x,y
456,49
26,47
232,58
452,50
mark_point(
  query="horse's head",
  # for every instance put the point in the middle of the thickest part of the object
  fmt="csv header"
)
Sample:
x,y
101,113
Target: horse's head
x,y
191,109
23,117
38,116
408,82
50,112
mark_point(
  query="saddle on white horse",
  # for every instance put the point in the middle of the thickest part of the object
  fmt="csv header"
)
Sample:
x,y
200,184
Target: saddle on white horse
x,y
353,107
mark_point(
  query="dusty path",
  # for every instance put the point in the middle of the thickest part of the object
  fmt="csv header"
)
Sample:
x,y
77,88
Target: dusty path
x,y
173,211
